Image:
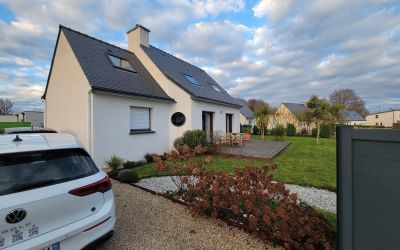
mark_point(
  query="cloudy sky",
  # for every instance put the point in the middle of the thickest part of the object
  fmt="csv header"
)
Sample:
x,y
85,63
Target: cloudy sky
x,y
279,51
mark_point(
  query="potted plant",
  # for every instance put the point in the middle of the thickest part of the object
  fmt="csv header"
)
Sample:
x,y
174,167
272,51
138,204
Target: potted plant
x,y
247,134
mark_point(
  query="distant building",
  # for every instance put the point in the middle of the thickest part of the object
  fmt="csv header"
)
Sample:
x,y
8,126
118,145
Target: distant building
x,y
8,118
384,119
247,116
353,118
288,113
36,118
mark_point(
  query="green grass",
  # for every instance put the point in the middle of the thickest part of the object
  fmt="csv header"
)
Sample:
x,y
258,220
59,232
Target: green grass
x,y
219,163
307,164
330,217
303,163
14,124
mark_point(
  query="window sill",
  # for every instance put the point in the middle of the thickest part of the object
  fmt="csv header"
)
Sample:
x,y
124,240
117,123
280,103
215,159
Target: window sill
x,y
138,132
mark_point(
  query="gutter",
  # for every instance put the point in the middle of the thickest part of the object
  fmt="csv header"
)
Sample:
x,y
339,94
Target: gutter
x,y
129,94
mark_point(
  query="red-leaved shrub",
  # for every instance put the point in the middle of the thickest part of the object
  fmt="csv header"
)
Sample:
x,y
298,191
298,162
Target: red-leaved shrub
x,y
251,198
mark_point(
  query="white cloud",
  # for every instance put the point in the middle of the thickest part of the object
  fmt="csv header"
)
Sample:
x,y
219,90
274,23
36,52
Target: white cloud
x,y
213,42
275,10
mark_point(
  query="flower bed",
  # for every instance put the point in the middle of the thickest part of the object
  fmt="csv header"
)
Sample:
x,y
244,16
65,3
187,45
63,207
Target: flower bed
x,y
250,199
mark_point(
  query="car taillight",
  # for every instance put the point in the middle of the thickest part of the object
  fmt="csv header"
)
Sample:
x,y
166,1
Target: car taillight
x,y
101,186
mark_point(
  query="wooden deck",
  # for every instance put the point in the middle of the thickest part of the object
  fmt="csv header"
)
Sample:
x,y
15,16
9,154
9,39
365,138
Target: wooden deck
x,y
264,150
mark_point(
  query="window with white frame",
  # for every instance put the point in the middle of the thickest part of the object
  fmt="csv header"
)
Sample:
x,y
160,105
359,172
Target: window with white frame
x,y
140,119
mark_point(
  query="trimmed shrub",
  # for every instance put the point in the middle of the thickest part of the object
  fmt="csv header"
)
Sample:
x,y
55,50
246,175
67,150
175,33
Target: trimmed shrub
x,y
1,131
115,162
304,132
193,138
178,142
290,130
314,132
128,176
134,164
326,131
279,132
149,157
256,131
245,128
258,204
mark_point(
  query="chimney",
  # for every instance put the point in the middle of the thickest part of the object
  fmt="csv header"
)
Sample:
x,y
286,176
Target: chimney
x,y
138,35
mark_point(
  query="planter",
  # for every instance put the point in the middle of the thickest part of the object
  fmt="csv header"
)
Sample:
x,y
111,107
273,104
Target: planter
x,y
246,137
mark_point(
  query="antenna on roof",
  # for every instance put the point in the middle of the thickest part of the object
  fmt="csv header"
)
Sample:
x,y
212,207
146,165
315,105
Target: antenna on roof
x,y
17,139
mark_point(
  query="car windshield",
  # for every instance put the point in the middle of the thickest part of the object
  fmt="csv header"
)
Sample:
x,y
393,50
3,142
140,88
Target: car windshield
x,y
29,170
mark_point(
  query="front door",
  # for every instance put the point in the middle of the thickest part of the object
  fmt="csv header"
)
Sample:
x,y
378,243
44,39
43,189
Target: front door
x,y
207,118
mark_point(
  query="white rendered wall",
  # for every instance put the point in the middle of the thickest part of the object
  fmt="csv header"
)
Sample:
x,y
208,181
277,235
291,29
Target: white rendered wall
x,y
111,127
219,117
66,105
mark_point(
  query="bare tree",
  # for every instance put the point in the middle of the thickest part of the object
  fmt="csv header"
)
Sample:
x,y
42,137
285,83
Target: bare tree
x,y
256,104
349,100
6,106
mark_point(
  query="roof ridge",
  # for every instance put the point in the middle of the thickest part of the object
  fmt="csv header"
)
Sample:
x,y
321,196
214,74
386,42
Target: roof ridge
x,y
94,38
202,70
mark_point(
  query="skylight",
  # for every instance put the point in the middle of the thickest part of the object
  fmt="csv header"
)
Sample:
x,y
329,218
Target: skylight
x,y
121,63
191,80
215,87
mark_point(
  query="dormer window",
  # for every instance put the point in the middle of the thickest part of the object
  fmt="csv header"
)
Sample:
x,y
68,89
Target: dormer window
x,y
192,80
121,63
215,88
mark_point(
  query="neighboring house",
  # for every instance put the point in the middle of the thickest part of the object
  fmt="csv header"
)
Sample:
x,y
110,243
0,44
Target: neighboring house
x,y
247,116
8,118
36,118
384,119
289,113
353,118
130,101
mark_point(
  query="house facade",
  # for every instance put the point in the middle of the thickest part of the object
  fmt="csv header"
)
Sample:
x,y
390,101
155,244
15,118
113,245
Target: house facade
x,y
247,116
131,102
384,119
288,113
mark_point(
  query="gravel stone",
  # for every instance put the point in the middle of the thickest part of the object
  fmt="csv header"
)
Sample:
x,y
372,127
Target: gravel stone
x,y
147,221
319,198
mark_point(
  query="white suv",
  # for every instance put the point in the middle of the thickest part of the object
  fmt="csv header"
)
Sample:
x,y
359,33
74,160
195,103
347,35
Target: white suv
x,y
52,195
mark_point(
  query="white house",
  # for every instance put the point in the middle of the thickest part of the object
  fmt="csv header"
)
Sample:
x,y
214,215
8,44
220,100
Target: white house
x,y
34,117
130,102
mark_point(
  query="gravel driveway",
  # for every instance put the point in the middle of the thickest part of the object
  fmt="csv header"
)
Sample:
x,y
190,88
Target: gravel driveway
x,y
147,221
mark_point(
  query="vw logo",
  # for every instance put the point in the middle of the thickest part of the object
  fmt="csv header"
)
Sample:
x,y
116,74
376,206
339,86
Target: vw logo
x,y
16,216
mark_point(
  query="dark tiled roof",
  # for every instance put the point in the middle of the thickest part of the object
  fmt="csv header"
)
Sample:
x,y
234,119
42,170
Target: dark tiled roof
x,y
245,110
92,53
353,116
175,68
295,107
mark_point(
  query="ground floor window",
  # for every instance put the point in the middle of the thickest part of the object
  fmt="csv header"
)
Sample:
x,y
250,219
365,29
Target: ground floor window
x,y
140,119
228,118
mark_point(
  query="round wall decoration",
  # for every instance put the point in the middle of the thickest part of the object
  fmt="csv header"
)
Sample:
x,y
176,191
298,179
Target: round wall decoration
x,y
178,119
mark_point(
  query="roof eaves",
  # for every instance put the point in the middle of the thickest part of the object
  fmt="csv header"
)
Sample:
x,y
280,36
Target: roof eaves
x,y
204,99
132,94
43,97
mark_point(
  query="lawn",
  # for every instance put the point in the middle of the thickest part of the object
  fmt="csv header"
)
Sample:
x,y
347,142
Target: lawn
x,y
14,124
303,163
307,164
